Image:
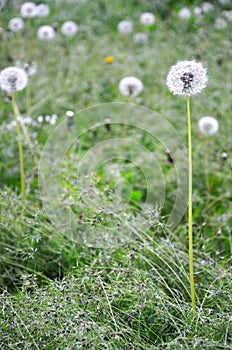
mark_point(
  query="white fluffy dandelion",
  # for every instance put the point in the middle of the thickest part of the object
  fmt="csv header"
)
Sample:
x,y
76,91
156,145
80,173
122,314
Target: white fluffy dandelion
x,y
184,13
140,38
46,33
13,79
69,28
28,10
207,7
42,11
208,125
130,86
220,23
147,19
187,78
16,24
227,15
125,27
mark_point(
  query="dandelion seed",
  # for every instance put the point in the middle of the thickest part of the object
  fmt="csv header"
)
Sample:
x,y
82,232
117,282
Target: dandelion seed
x,y
187,78
125,27
28,10
13,79
147,19
16,24
140,38
42,11
208,125
184,13
46,33
69,28
220,24
109,59
130,86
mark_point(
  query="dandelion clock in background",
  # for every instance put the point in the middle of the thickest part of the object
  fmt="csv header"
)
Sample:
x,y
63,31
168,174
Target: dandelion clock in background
x,y
13,79
46,33
184,13
125,27
16,24
42,11
140,38
147,19
220,24
28,10
208,126
187,78
130,86
69,28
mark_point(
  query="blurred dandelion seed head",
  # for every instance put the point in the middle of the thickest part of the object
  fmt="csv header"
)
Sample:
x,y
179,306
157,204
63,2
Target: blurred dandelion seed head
x,y
187,78
28,10
69,28
208,125
16,24
46,33
130,86
140,38
184,13
13,79
147,19
125,27
42,11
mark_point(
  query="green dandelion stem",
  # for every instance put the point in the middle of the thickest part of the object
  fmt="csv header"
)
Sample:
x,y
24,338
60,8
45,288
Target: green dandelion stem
x,y
22,176
190,219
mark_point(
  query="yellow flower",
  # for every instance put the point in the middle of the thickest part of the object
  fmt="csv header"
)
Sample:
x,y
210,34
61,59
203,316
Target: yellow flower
x,y
109,59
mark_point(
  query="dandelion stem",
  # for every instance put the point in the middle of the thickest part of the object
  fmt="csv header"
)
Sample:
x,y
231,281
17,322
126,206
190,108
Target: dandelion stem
x,y
190,220
22,176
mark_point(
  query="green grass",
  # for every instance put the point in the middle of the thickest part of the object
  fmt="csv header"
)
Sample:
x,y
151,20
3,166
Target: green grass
x,y
130,289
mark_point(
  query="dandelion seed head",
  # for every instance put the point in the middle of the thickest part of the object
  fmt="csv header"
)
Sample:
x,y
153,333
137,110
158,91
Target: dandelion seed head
x,y
69,28
16,24
140,38
13,79
125,27
42,10
197,11
28,10
187,78
184,13
207,7
227,15
147,19
208,125
130,86
220,24
46,33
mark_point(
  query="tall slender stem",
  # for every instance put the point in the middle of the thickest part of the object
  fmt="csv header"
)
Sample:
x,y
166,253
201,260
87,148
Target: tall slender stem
x,y
22,176
190,219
